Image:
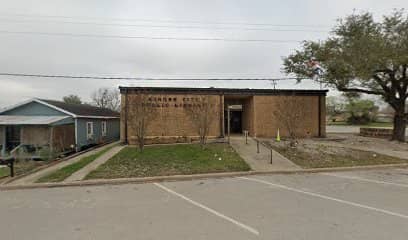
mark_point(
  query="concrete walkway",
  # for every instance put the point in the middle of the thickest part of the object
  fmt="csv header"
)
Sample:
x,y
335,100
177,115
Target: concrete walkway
x,y
32,178
81,174
260,161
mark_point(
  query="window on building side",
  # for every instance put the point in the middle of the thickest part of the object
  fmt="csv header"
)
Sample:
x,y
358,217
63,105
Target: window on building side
x,y
104,129
89,130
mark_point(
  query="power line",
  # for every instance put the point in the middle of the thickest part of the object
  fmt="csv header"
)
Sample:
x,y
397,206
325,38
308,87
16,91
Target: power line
x,y
169,21
142,78
166,26
146,37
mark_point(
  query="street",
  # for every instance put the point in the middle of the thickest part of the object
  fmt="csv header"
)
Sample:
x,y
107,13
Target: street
x,y
345,205
347,129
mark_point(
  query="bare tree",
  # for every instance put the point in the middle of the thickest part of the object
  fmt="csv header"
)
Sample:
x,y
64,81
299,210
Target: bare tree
x,y
290,113
141,112
106,98
202,112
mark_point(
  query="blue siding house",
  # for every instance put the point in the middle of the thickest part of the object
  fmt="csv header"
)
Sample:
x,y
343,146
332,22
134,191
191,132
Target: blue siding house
x,y
61,127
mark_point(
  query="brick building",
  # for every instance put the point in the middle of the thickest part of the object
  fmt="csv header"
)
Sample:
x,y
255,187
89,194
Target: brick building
x,y
253,110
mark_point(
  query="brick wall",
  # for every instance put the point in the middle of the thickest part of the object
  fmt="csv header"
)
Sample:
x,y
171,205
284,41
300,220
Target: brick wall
x,y
267,124
376,132
171,120
172,124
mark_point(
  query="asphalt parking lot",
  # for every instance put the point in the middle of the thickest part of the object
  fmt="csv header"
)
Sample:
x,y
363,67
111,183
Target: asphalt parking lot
x,y
347,205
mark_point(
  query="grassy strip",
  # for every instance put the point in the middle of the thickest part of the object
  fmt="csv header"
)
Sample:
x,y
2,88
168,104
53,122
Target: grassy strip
x,y
171,160
326,158
63,173
4,171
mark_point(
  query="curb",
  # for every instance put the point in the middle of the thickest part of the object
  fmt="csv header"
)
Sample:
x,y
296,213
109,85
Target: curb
x,y
120,181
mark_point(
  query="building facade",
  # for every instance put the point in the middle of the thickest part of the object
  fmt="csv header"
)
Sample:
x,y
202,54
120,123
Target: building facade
x,y
60,127
261,112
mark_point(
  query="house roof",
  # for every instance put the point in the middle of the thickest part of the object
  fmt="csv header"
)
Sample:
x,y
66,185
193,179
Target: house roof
x,y
29,120
226,91
74,110
82,110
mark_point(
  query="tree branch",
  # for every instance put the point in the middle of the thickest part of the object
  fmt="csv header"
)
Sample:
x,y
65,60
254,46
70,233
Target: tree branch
x,y
359,90
384,71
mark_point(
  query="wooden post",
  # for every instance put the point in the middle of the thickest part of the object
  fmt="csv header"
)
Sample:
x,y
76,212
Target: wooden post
x,y
271,155
12,168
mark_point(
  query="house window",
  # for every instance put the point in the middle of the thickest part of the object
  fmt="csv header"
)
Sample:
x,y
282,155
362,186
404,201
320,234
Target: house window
x,y
104,130
89,130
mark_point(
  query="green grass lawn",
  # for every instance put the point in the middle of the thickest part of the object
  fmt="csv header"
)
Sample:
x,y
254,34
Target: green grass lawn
x,y
326,157
171,160
63,173
4,171
22,167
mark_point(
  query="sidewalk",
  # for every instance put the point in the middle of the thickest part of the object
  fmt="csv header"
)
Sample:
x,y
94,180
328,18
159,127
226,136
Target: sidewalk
x,y
260,161
32,178
81,174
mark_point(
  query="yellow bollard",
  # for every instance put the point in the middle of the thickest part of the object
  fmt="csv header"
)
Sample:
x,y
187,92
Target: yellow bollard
x,y
278,136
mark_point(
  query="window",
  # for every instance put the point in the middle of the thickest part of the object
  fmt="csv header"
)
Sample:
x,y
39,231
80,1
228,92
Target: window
x,y
89,130
104,130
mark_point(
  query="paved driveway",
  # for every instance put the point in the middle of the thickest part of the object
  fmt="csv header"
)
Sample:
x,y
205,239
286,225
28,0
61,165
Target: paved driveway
x,y
350,205
342,129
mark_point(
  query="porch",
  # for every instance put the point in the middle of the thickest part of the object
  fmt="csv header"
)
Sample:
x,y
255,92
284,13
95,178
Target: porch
x,y
34,137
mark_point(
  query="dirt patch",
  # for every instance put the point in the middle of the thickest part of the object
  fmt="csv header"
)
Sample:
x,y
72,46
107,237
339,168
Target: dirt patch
x,y
342,150
353,140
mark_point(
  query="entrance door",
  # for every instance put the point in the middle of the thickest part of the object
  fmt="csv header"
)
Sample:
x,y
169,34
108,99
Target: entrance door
x,y
235,121
12,137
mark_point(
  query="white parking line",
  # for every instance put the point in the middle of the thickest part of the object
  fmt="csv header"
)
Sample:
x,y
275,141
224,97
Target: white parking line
x,y
327,197
365,180
241,225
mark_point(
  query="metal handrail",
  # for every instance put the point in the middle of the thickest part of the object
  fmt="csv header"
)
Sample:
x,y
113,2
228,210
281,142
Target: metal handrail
x,y
14,150
268,147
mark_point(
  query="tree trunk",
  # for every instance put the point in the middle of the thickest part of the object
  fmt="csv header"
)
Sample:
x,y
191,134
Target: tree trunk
x,y
141,144
400,124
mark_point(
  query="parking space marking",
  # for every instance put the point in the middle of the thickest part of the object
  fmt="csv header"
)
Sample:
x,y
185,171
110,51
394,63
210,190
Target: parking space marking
x,y
327,197
365,180
239,224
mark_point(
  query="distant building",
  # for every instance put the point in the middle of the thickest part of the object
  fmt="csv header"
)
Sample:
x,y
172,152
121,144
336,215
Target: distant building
x,y
253,111
37,124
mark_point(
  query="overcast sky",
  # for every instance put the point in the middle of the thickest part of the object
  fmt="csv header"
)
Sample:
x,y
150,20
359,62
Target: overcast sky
x,y
97,56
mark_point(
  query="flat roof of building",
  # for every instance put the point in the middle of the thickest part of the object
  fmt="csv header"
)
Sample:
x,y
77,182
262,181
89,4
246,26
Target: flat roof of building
x,y
226,91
